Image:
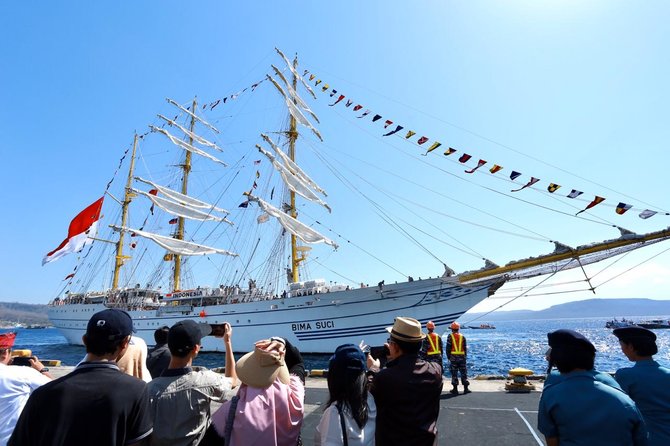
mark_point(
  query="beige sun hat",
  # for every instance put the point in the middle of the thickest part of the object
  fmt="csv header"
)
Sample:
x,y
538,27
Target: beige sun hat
x,y
261,368
406,329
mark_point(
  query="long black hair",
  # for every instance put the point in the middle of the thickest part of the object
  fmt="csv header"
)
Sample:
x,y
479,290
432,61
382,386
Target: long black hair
x,y
349,388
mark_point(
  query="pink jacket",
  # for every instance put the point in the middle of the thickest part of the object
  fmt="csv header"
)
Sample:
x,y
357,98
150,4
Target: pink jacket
x,y
265,417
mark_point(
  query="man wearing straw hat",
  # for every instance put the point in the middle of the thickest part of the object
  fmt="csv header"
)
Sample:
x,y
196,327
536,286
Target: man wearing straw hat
x,y
406,392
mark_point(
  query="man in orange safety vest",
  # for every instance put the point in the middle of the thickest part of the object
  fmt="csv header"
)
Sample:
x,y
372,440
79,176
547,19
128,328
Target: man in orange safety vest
x,y
457,352
432,345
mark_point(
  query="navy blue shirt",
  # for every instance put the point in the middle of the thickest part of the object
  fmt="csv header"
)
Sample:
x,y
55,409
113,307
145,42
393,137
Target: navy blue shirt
x,y
96,404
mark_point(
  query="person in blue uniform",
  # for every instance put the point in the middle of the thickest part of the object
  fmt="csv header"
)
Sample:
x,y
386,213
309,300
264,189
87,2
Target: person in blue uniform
x,y
553,375
578,409
647,382
457,353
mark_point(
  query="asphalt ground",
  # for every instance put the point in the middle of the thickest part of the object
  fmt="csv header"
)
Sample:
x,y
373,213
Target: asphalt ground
x,y
487,416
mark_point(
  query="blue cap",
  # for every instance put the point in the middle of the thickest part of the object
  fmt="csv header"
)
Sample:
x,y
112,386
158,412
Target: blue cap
x,y
110,325
569,338
348,357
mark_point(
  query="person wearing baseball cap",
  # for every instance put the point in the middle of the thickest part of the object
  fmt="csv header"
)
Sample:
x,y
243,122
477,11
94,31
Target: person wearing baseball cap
x,y
350,412
181,397
647,382
16,384
95,403
407,391
579,409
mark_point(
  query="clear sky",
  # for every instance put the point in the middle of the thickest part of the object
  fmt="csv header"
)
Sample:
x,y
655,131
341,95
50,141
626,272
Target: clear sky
x,y
572,92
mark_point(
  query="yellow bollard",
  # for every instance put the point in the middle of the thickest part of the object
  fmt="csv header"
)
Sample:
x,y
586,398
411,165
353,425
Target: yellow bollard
x,y
519,383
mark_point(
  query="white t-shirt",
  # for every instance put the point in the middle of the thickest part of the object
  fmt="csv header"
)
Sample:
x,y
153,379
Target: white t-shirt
x,y
329,430
16,385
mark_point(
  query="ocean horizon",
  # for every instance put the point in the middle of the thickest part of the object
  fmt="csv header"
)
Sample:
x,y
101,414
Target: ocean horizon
x,y
490,352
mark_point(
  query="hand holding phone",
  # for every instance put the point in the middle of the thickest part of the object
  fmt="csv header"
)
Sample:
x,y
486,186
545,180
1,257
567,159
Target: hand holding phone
x,y
218,330
22,360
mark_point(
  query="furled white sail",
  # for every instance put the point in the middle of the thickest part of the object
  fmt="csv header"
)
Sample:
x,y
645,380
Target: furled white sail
x,y
179,209
197,138
295,227
185,199
176,246
295,73
186,146
193,115
292,166
293,182
294,94
294,110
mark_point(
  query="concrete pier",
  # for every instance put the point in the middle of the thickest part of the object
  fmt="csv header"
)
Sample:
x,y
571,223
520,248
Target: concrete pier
x,y
487,416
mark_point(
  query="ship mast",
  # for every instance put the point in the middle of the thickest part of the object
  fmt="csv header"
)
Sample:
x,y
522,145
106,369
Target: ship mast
x,y
292,138
127,198
186,167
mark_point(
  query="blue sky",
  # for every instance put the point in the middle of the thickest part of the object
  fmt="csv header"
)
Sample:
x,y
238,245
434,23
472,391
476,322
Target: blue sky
x,y
571,92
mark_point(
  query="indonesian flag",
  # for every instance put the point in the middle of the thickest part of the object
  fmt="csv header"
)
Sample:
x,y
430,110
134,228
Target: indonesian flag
x,y
79,234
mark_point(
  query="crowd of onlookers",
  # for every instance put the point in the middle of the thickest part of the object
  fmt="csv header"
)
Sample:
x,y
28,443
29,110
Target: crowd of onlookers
x,y
122,393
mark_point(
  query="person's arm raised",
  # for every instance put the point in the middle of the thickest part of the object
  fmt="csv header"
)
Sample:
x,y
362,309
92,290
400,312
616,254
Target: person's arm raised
x,y
230,359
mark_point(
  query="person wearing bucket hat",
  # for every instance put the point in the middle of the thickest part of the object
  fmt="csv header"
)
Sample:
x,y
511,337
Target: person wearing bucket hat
x,y
647,382
578,409
95,403
407,391
181,397
350,412
269,407
16,384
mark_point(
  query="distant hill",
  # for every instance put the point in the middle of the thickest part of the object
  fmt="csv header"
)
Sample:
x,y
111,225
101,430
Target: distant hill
x,y
13,312
586,308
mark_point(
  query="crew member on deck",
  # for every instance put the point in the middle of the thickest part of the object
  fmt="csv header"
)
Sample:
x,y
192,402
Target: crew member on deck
x,y
457,352
432,345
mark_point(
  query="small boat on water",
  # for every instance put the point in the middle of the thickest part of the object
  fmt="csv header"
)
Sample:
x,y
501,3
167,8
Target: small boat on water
x,y
482,327
615,323
655,323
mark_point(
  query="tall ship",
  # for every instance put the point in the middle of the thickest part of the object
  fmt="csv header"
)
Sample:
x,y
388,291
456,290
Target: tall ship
x,y
196,224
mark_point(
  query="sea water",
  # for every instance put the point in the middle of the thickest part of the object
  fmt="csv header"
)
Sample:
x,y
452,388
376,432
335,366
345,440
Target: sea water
x,y
490,352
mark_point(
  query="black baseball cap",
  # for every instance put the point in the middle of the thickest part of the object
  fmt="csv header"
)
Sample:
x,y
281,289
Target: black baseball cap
x,y
184,335
110,324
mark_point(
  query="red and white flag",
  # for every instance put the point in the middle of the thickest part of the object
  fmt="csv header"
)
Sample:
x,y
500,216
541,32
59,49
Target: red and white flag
x,y
79,234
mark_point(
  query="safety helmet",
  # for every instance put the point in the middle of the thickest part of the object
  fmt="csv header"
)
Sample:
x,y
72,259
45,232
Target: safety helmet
x,y
455,326
430,325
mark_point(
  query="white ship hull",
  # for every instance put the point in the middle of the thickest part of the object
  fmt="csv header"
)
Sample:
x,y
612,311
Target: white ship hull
x,y
315,323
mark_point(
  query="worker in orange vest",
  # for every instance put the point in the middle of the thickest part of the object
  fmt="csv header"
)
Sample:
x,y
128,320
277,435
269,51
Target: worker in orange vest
x,y
457,353
432,345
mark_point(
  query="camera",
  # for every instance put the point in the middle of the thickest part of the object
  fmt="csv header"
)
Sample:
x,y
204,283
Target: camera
x,y
218,330
22,360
